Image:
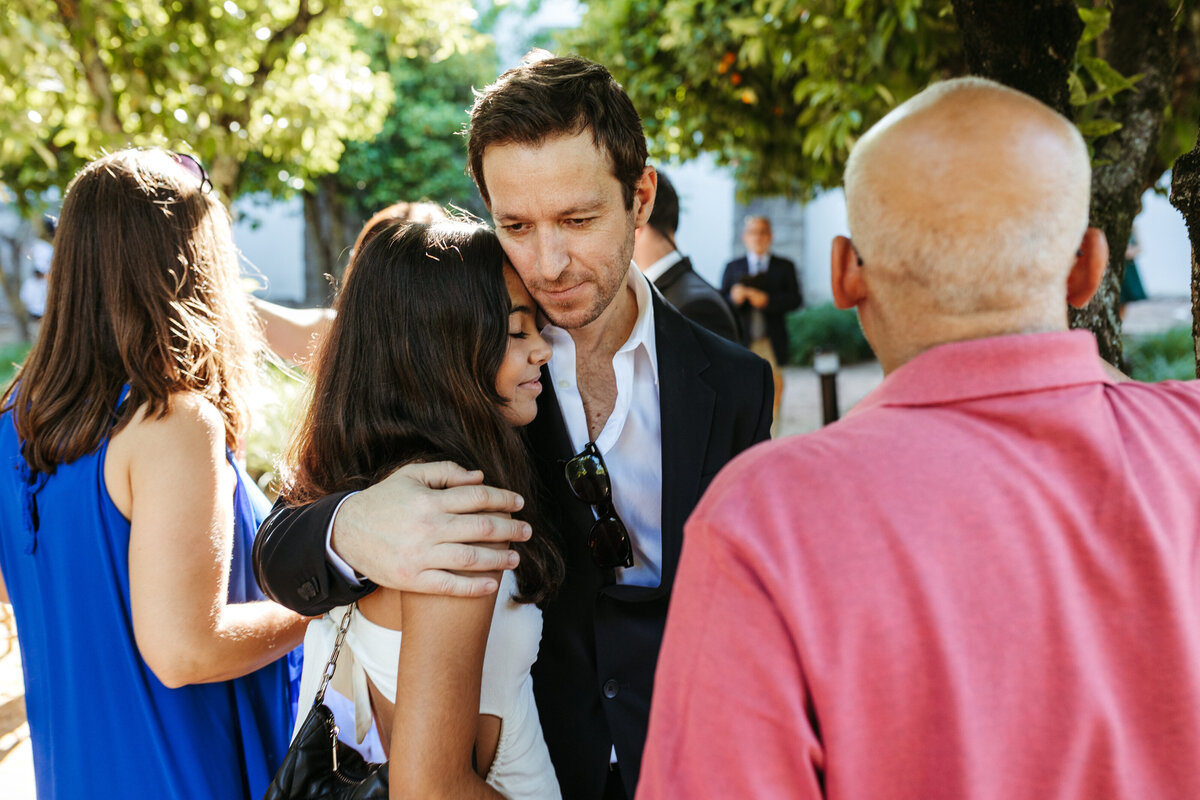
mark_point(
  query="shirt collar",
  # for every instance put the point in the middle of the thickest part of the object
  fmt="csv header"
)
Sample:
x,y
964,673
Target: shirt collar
x,y
642,334
978,368
659,268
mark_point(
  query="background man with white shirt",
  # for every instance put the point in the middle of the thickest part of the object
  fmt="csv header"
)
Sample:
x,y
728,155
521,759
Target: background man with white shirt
x,y
671,272
558,154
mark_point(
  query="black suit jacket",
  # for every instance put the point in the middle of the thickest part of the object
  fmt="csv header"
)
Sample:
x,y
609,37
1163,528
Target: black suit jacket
x,y
600,641
782,287
698,300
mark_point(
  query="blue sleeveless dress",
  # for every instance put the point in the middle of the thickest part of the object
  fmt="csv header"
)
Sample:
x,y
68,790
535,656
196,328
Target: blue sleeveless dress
x,y
101,724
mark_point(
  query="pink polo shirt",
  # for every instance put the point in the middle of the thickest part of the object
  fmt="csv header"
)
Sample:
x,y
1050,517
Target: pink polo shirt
x,y
982,583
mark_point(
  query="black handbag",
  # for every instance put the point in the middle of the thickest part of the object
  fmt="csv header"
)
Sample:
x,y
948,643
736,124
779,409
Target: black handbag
x,y
317,766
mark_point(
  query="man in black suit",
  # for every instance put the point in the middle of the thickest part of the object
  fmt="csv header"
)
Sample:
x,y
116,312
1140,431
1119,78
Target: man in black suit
x,y
559,156
655,253
763,288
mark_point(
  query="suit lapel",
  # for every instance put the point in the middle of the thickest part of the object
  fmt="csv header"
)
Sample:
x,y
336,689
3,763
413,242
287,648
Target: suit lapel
x,y
686,402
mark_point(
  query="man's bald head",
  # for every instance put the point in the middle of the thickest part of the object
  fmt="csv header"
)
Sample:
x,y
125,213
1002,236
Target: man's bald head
x,y
969,198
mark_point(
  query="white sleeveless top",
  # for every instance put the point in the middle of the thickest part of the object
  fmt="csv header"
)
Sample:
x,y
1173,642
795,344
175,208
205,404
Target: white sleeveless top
x,y
522,767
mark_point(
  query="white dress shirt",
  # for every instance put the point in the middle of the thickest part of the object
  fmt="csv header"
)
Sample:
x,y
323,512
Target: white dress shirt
x,y
631,440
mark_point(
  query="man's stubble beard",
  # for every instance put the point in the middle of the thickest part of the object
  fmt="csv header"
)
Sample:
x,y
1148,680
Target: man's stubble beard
x,y
609,292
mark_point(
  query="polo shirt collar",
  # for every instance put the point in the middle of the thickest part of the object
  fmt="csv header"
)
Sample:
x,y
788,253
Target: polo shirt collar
x,y
979,368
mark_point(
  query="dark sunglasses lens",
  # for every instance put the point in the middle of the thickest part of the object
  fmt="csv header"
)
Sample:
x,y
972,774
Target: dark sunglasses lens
x,y
609,544
588,479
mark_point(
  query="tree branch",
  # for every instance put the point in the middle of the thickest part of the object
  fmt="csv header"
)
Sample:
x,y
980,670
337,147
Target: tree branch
x,y
94,72
281,41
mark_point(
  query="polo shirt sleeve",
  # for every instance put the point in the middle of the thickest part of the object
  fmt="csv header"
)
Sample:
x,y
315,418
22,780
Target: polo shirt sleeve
x,y
731,715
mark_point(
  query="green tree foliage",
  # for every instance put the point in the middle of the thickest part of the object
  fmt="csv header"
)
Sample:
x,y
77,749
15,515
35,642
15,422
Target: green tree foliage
x,y
219,78
781,89
420,154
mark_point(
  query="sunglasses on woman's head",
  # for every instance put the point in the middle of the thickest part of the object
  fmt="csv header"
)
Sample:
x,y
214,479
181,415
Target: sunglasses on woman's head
x,y
194,168
608,541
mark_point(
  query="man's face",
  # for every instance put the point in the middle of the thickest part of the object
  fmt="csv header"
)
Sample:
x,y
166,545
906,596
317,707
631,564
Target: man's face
x,y
561,217
757,236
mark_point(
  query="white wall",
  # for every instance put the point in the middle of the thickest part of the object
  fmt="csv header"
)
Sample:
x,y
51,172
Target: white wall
x,y
705,214
270,234
1165,262
824,218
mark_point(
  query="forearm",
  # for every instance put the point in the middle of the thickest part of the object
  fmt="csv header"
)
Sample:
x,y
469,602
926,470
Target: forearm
x,y
292,333
242,637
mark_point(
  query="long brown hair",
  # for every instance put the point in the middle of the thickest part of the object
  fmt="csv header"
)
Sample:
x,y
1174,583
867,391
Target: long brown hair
x,y
143,290
408,373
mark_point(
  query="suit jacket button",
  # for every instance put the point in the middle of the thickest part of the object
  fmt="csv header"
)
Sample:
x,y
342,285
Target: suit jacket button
x,y
308,589
611,688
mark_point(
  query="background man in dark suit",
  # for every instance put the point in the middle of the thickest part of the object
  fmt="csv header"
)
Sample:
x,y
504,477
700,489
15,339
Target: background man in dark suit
x,y
763,288
559,156
655,253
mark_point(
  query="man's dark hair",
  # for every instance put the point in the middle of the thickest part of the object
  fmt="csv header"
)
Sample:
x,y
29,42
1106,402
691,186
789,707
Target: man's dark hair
x,y
664,217
547,96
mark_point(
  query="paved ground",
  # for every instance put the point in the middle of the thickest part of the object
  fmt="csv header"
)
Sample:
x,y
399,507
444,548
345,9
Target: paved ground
x,y
801,413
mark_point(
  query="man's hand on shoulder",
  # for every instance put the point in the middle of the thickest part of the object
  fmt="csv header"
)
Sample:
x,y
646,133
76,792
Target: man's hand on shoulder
x,y
420,527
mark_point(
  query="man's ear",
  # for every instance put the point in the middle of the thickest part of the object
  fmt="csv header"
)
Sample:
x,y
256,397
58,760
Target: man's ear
x,y
847,274
644,192
1088,269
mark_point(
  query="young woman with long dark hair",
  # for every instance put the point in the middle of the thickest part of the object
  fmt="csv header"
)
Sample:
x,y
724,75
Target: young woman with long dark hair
x,y
152,663
435,355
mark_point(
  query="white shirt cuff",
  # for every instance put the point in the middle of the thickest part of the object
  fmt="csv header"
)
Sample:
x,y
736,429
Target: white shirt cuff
x,y
343,569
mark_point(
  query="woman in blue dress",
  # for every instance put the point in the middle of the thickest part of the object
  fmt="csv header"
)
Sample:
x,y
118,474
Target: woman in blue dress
x,y
153,667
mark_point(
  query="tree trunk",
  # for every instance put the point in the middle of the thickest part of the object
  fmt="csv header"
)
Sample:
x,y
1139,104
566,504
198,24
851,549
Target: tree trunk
x,y
224,172
12,288
1185,196
1031,46
1140,39
1028,45
327,241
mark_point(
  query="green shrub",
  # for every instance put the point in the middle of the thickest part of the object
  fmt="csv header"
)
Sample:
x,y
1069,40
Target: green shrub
x,y
11,355
1161,356
829,328
277,401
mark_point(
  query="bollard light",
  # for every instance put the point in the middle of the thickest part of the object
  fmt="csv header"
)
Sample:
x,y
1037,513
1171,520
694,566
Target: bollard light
x,y
826,364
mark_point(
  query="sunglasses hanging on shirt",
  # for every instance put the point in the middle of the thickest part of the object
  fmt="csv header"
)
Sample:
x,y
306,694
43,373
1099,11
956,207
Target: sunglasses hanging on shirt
x,y
608,541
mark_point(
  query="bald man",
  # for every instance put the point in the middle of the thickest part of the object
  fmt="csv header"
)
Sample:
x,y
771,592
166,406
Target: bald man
x,y
983,582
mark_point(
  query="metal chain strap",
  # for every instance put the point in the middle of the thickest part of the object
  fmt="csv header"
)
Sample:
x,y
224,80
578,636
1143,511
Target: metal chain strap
x,y
331,665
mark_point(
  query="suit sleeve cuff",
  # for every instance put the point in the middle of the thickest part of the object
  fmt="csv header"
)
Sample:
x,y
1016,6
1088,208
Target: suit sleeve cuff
x,y
337,562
